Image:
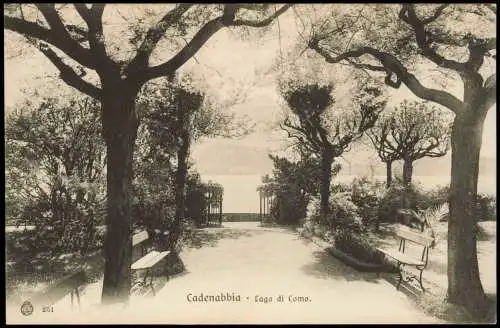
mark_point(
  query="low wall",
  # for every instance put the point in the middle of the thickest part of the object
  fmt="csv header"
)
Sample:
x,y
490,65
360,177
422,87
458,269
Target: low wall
x,y
240,217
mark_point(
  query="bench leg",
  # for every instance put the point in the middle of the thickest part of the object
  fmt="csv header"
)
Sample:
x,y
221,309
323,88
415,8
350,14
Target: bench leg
x,y
420,280
145,277
77,298
151,284
400,272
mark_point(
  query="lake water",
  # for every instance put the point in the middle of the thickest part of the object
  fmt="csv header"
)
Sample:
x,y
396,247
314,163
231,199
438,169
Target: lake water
x,y
241,195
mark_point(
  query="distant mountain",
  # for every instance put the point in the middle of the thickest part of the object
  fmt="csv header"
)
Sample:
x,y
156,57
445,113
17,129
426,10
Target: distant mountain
x,y
363,163
231,158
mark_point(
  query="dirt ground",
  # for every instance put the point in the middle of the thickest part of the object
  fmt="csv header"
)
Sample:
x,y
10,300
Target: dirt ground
x,y
252,266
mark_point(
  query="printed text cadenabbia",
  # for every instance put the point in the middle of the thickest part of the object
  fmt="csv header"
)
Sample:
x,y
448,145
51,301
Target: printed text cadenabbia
x,y
221,297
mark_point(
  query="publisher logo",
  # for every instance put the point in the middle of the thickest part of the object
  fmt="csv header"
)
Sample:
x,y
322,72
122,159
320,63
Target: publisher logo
x,y
27,308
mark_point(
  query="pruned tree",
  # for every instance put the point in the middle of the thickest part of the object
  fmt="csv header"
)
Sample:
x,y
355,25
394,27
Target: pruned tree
x,y
410,132
327,130
57,32
459,41
388,153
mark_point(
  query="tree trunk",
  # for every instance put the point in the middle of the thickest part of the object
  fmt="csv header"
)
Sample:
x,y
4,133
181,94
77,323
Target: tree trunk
x,y
407,175
388,165
407,172
464,284
326,172
180,183
120,125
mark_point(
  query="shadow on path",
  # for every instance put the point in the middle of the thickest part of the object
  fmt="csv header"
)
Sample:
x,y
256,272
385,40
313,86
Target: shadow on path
x,y
325,266
211,237
159,283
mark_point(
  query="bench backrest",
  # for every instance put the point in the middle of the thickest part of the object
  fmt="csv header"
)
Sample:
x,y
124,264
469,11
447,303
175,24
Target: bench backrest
x,y
60,288
139,237
417,238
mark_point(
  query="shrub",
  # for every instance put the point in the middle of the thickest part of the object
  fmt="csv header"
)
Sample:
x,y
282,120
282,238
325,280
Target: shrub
x,y
63,224
196,202
486,207
150,210
344,213
312,209
289,207
366,195
436,197
358,247
416,198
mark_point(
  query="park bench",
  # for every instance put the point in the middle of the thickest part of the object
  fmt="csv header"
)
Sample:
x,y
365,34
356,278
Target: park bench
x,y
405,258
69,284
149,259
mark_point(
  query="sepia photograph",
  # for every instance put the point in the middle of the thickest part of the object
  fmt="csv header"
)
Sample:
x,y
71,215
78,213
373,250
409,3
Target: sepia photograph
x,y
250,163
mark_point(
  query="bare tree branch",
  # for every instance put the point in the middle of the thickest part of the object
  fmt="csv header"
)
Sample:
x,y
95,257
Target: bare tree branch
x,y
69,75
264,22
96,35
186,52
32,30
155,33
202,36
80,32
491,7
436,14
409,16
393,66
300,140
306,134
82,10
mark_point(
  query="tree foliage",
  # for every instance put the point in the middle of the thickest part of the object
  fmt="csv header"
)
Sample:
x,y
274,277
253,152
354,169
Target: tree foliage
x,y
55,161
325,129
409,132
318,124
90,37
292,184
412,130
459,42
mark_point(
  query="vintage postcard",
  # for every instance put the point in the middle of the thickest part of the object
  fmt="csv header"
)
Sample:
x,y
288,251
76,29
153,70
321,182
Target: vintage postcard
x,y
236,163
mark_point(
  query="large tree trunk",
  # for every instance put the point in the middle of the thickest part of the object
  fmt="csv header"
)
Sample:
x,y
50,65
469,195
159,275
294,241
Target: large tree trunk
x,y
326,178
120,125
388,166
464,284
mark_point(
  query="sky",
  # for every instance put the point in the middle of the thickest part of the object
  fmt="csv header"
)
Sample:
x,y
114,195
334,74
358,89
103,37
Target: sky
x,y
230,66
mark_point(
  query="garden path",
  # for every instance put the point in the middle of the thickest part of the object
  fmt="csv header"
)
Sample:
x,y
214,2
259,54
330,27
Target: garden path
x,y
255,262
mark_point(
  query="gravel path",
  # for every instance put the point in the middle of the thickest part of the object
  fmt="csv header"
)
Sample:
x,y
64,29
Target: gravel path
x,y
255,265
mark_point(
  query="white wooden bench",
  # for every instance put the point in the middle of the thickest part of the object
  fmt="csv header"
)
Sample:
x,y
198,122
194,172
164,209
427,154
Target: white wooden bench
x,y
149,259
403,258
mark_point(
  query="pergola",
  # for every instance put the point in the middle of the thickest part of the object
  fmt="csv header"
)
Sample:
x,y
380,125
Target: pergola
x,y
266,200
214,193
